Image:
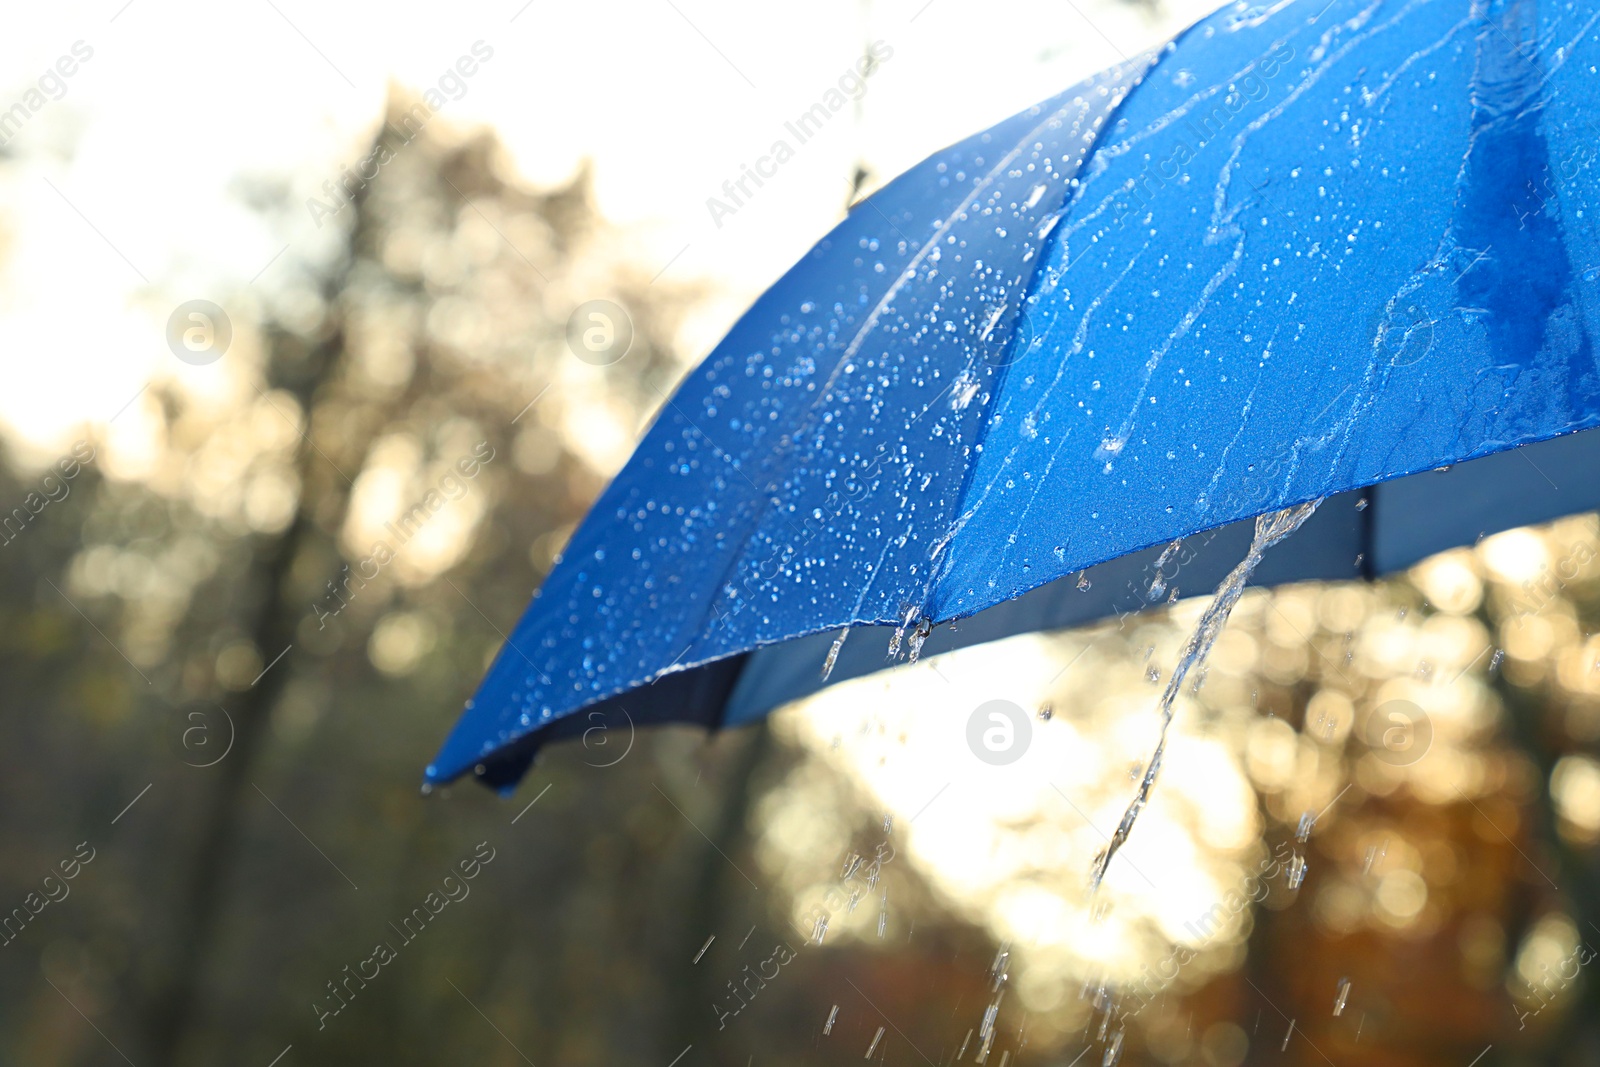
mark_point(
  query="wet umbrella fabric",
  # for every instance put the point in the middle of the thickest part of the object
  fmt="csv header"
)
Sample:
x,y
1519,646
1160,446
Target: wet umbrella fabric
x,y
1302,250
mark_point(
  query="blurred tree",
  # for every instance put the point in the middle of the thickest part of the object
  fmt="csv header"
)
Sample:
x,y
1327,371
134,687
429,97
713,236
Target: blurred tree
x,y
268,605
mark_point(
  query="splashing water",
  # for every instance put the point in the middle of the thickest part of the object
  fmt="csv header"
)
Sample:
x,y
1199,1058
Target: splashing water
x,y
1344,996
920,634
877,1037
1270,529
833,653
1375,854
1158,584
1113,1050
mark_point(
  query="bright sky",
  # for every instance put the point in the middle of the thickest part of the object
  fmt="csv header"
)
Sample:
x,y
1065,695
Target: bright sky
x,y
123,197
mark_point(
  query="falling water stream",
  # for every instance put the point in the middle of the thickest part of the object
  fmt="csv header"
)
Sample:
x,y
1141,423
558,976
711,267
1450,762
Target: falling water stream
x,y
1270,529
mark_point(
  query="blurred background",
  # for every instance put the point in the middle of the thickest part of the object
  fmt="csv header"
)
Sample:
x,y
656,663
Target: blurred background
x,y
220,693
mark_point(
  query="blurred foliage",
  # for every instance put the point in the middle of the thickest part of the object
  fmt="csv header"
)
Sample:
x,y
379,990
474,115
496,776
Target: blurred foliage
x,y
181,632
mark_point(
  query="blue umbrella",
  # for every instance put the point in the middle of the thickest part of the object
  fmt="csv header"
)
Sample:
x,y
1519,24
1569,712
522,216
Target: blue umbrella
x,y
1302,250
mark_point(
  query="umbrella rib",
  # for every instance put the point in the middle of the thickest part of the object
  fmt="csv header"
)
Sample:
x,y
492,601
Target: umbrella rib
x,y
1001,373
943,229
736,556
871,322
883,304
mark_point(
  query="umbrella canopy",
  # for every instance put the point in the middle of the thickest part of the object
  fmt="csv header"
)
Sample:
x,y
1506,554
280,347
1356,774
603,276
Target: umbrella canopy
x,y
1299,251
